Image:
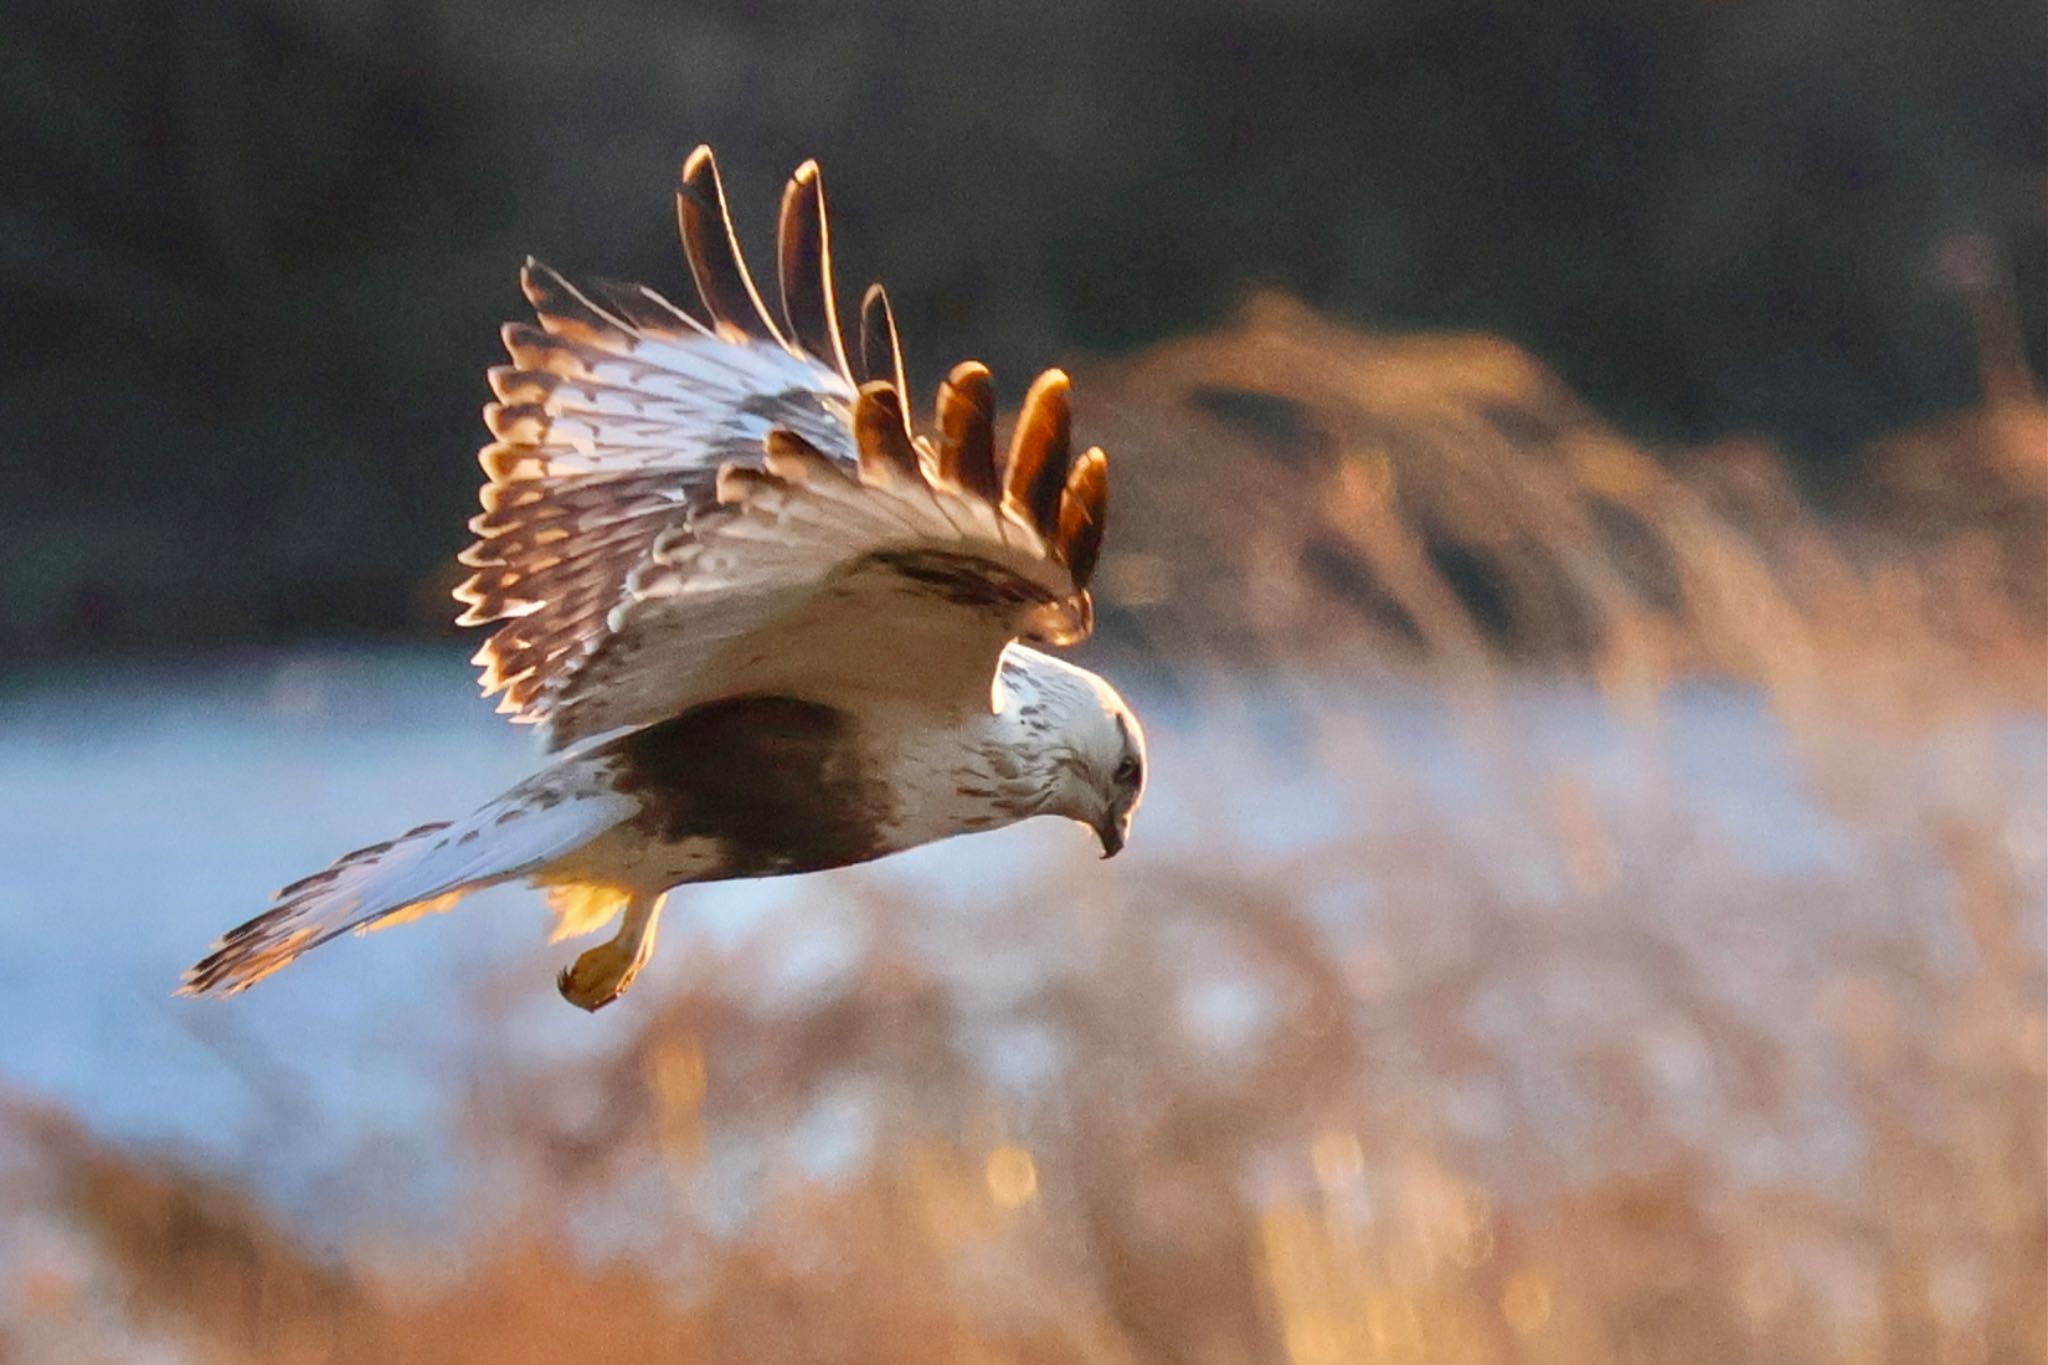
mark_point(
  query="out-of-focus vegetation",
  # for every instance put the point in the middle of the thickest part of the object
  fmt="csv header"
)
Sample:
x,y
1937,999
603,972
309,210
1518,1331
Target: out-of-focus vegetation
x,y
1454,505
254,252
1537,1069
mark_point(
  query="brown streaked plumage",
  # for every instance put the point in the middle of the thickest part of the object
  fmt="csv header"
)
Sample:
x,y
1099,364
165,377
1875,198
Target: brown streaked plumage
x,y
769,627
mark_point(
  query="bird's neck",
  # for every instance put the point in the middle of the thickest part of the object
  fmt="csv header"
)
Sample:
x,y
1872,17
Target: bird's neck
x,y
1029,735
978,771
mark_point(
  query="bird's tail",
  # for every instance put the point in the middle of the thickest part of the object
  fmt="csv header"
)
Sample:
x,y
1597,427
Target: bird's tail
x,y
422,870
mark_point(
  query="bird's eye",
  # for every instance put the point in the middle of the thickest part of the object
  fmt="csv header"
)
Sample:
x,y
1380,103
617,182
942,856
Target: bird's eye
x,y
1127,771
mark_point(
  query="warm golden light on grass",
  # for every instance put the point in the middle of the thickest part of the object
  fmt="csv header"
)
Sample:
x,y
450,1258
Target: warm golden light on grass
x,y
1012,1177
675,1082
1525,1303
1339,1160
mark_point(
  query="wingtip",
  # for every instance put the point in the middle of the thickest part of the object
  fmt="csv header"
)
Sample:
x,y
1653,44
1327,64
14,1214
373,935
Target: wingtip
x,y
965,414
545,288
803,270
1050,382
881,353
695,164
724,286
1041,450
1084,506
536,268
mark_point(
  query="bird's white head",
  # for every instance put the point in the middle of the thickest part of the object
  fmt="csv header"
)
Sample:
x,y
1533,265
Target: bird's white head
x,y
1080,745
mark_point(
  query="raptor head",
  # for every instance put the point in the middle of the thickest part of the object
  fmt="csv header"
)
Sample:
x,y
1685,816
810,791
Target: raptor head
x,y
1082,744
1120,781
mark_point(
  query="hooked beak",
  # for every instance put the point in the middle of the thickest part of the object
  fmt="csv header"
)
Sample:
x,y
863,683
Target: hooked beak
x,y
1111,832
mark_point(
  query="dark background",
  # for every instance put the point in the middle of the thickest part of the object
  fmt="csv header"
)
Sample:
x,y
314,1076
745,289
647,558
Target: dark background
x,y
254,252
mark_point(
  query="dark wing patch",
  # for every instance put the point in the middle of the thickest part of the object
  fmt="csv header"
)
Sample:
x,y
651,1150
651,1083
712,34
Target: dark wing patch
x,y
963,580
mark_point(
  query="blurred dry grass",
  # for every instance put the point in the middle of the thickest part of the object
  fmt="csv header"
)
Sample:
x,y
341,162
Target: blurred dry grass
x,y
1440,1091
1291,485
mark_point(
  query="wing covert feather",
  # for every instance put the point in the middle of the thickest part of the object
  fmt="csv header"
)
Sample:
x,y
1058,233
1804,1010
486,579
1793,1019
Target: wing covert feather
x,y
813,579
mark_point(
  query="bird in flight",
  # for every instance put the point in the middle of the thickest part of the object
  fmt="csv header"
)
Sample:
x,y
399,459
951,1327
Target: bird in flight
x,y
768,626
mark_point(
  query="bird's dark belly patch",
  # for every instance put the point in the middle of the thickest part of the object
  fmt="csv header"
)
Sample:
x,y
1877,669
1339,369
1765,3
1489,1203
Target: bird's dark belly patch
x,y
783,784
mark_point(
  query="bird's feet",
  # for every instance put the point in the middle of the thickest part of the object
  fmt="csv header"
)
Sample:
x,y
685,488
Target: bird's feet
x,y
602,974
598,977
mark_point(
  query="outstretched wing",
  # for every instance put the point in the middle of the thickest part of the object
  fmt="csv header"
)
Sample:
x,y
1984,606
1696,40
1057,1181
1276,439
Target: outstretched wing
x,y
681,510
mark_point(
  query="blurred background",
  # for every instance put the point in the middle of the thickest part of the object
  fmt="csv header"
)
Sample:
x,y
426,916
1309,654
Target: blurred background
x,y
1580,545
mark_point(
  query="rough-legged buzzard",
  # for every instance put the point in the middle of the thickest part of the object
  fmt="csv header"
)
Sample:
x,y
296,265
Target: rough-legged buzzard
x,y
772,627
